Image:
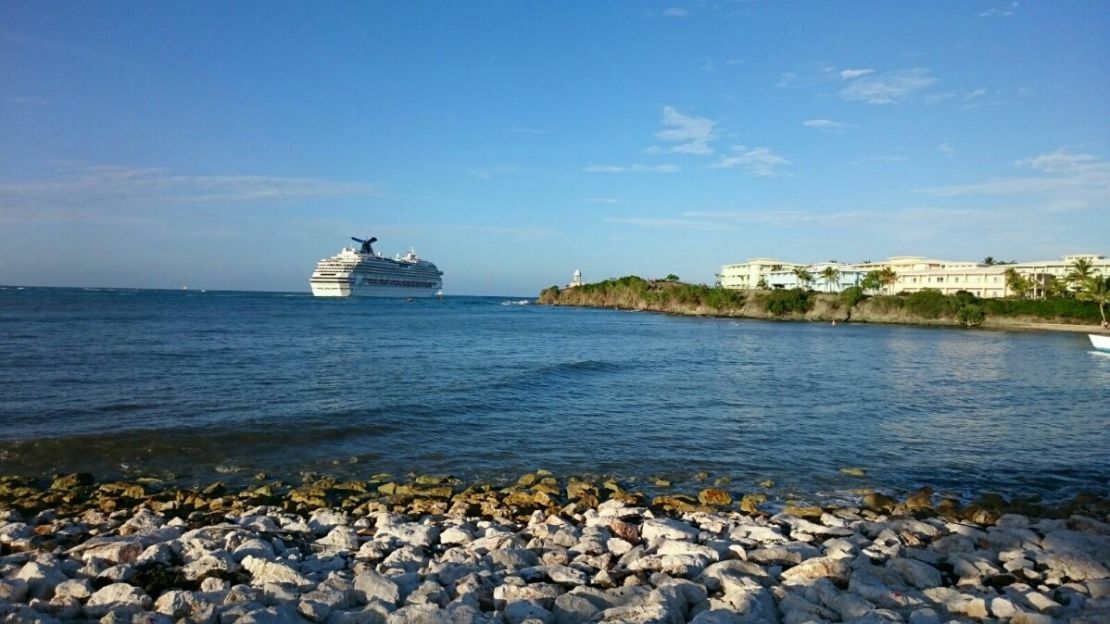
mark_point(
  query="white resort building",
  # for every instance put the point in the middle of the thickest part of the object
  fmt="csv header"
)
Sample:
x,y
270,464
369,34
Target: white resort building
x,y
913,274
748,275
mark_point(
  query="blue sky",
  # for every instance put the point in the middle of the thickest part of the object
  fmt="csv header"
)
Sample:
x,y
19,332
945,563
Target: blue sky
x,y
232,145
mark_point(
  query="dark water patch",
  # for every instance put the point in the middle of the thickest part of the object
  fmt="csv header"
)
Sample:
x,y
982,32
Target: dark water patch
x,y
227,383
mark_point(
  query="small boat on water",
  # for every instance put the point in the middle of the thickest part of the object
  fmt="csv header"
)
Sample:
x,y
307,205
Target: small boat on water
x,y
1100,342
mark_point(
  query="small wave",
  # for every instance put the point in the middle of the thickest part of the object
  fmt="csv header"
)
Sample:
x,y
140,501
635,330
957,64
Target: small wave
x,y
522,302
122,408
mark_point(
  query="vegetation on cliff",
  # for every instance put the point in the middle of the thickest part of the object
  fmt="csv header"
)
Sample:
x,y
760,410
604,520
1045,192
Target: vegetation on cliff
x,y
928,307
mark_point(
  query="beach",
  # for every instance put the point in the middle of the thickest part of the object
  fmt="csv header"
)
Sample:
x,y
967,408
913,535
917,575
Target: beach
x,y
543,549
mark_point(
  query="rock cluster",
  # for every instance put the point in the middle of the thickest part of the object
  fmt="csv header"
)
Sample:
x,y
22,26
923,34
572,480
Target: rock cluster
x,y
620,560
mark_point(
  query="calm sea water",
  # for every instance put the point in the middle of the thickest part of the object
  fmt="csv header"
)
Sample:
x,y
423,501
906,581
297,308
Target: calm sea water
x,y
226,384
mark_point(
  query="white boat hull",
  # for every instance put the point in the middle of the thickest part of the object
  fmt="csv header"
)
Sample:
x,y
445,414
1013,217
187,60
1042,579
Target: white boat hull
x,y
345,290
1102,343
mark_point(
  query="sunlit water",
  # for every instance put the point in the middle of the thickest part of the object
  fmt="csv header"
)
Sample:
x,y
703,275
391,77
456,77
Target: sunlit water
x,y
224,385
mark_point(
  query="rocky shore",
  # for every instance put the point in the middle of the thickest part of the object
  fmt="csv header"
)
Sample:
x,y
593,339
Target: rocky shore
x,y
541,550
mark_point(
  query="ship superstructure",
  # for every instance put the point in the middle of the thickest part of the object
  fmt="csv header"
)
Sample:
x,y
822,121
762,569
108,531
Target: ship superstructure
x,y
361,272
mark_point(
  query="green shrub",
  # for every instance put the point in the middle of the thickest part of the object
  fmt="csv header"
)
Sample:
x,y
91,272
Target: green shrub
x,y
851,296
1047,309
965,297
931,304
971,315
887,303
782,302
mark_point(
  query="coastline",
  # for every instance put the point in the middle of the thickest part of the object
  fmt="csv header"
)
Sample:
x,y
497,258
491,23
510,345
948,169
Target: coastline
x,y
634,294
543,549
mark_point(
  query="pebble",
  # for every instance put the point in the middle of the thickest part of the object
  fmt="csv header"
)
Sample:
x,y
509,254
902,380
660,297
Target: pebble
x,y
615,561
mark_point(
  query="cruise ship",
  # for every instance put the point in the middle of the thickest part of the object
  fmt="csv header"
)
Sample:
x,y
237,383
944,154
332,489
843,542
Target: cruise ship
x,y
361,272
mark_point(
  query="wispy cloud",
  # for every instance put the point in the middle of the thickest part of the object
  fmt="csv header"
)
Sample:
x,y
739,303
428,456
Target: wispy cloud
x,y
520,130
602,200
888,87
670,224
1005,11
757,161
1062,178
850,74
630,169
25,101
675,12
946,149
134,183
688,134
826,124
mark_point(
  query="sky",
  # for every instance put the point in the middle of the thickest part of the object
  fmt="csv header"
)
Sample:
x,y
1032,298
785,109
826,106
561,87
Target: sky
x,y
232,145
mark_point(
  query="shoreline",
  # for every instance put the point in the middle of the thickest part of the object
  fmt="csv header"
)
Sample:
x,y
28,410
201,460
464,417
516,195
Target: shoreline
x,y
990,324
544,549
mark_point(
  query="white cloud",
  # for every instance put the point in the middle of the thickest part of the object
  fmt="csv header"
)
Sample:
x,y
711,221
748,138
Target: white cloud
x,y
1006,11
975,94
888,87
825,124
602,200
850,74
1063,161
630,169
675,12
691,135
757,161
946,149
1060,179
132,183
670,224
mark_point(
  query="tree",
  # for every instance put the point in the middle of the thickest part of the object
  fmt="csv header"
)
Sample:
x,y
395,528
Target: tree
x,y
871,281
804,276
671,277
1081,271
887,277
762,284
989,261
1017,283
832,278
1097,289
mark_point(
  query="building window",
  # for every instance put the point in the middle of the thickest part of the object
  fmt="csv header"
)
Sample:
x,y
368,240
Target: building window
x,y
940,280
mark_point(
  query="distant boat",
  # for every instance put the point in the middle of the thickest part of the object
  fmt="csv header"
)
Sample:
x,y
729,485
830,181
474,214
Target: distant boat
x,y
1102,343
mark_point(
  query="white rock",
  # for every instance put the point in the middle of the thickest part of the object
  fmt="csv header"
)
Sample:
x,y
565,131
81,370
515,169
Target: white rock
x,y
819,567
263,571
677,547
667,528
370,586
324,520
459,534
341,537
41,578
527,611
916,573
116,596
543,594
617,546
411,533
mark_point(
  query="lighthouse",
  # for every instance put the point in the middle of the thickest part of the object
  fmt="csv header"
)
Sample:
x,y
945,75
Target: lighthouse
x,y
575,279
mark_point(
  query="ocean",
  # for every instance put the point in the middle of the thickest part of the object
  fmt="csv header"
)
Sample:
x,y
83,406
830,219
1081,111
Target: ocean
x,y
199,386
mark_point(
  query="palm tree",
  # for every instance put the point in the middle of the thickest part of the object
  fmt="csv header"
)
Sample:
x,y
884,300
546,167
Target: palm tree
x,y
887,277
1017,283
1097,289
832,278
804,276
1081,271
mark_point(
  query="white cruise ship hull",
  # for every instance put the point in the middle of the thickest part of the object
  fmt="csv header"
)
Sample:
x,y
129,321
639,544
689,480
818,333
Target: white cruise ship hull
x,y
346,290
